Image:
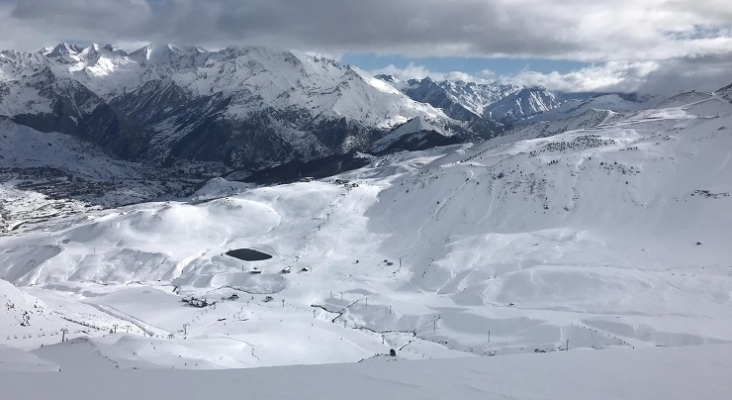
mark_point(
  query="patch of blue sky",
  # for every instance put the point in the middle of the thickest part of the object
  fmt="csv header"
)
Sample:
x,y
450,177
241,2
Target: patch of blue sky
x,y
469,65
702,32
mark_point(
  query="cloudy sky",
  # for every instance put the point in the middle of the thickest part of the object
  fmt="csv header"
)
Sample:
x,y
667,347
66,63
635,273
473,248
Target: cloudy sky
x,y
658,46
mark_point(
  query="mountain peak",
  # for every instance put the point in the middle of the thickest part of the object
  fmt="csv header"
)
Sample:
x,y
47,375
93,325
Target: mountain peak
x,y
62,49
90,51
387,78
164,53
113,49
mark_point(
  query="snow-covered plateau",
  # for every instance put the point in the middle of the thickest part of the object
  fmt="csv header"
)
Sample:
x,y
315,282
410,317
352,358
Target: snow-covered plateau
x,y
601,235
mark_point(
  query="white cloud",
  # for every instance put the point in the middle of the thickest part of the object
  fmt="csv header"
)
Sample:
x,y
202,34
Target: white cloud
x,y
610,76
652,77
623,37
589,30
418,71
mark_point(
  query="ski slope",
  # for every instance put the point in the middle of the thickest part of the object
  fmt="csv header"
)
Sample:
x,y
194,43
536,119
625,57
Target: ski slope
x,y
669,374
609,235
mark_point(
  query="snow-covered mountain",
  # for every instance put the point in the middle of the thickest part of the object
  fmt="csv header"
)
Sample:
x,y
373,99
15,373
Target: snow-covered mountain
x,y
460,100
245,107
495,102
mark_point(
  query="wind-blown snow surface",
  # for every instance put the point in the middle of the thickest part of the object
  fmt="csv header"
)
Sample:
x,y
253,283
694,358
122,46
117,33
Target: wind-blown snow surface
x,y
648,374
613,235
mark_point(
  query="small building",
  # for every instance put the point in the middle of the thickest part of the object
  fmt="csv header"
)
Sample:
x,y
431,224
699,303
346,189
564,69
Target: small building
x,y
200,303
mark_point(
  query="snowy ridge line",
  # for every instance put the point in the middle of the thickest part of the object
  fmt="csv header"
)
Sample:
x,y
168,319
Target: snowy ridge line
x,y
288,106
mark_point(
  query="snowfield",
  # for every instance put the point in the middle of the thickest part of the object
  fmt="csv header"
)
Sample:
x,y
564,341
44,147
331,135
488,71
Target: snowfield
x,y
669,374
581,234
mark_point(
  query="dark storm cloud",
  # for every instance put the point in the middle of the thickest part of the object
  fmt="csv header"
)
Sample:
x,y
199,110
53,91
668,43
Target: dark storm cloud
x,y
706,73
82,15
418,27
538,28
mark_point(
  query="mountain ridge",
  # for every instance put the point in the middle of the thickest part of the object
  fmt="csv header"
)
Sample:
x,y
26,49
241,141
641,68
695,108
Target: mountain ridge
x,y
253,107
506,104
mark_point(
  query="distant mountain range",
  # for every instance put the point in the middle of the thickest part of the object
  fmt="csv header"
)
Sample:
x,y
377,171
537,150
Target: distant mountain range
x,y
247,108
504,104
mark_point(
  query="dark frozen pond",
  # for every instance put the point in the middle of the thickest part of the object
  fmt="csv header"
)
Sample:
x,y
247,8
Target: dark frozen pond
x,y
248,255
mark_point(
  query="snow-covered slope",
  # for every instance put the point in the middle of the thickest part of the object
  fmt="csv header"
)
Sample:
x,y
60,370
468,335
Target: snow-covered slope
x,y
726,92
604,230
569,109
501,103
13,359
592,113
23,147
461,100
49,174
247,107
476,96
535,102
29,322
648,374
